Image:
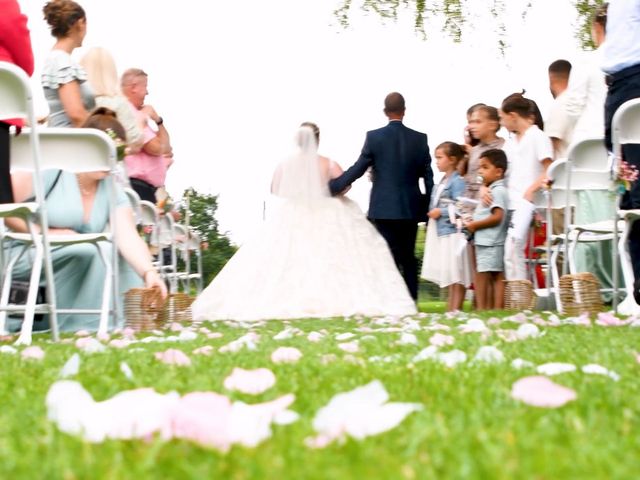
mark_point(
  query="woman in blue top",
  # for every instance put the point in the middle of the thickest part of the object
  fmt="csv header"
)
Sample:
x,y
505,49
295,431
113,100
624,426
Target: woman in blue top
x,y
444,263
79,203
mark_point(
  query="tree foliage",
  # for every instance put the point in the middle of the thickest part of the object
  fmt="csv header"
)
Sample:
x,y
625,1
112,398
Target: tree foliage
x,y
456,15
217,247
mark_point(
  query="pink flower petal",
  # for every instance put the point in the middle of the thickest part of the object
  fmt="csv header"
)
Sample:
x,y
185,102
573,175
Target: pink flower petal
x,y
440,340
173,357
350,347
34,353
539,391
606,319
252,382
119,343
286,355
206,350
82,333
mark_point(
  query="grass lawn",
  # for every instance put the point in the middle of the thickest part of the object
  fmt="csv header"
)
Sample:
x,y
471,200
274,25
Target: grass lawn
x,y
469,426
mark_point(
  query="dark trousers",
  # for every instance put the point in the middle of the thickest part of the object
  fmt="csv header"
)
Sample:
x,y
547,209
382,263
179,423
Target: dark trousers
x,y
6,193
145,190
401,238
623,86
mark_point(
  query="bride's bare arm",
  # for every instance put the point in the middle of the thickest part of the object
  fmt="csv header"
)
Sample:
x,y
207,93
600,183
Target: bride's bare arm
x,y
335,171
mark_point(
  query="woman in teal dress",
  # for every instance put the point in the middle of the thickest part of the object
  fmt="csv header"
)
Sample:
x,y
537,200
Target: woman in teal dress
x,y
79,203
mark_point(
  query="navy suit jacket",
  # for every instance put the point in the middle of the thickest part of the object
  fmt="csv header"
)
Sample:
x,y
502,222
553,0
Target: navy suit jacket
x,y
399,157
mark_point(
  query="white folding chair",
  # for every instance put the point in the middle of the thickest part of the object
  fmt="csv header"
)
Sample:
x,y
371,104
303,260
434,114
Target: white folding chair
x,y
75,150
187,243
625,129
16,101
166,239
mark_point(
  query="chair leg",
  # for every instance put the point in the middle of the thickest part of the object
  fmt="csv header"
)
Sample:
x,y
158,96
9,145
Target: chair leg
x,y
103,326
34,282
628,306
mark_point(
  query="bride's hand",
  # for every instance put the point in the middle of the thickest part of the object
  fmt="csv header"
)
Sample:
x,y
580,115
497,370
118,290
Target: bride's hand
x,y
434,213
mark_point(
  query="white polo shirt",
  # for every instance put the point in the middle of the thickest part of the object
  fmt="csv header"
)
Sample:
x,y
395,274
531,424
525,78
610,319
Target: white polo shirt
x,y
525,161
622,46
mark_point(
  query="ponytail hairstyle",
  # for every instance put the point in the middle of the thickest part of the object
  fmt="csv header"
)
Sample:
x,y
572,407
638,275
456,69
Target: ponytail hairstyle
x,y
517,103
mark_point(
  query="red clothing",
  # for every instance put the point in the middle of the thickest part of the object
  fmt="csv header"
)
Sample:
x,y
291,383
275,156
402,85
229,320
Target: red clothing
x,y
15,42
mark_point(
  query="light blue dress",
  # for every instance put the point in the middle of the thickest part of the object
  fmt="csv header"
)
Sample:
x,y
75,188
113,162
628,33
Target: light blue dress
x,y
78,269
59,69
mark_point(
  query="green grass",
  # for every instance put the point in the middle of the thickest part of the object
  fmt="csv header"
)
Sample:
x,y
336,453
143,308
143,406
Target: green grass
x,y
470,427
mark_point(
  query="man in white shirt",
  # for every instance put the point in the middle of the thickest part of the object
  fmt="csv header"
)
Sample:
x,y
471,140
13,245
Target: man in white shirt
x,y
558,126
622,66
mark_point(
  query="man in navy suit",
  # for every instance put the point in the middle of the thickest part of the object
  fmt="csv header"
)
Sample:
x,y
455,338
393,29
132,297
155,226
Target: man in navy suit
x,y
399,158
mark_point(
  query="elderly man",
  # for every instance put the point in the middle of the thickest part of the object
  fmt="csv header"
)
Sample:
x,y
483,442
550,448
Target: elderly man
x,y
147,169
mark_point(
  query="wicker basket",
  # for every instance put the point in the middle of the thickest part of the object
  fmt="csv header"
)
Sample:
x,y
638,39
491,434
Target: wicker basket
x,y
177,308
519,295
580,293
143,308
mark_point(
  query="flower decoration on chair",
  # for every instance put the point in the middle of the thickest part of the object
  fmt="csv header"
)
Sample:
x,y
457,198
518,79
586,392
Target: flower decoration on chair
x,y
626,174
121,146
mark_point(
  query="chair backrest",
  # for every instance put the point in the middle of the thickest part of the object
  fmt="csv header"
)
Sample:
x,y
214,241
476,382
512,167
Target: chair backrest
x,y
560,193
590,165
16,100
71,149
626,123
166,231
134,200
180,236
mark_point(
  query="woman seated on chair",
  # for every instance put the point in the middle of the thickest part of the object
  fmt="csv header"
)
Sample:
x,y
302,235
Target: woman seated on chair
x,y
79,203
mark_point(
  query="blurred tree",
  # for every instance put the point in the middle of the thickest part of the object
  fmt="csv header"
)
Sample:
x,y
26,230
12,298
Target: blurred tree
x,y
457,15
217,248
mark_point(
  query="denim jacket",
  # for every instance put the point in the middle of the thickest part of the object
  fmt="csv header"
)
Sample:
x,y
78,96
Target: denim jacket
x,y
453,189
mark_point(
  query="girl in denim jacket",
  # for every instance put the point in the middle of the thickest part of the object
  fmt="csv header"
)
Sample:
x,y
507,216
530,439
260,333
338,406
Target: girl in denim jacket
x,y
444,263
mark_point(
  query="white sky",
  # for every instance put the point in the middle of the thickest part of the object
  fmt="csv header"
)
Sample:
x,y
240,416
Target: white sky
x,y
233,79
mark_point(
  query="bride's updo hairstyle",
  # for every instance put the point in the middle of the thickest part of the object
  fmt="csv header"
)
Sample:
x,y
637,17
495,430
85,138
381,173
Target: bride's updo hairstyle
x,y
61,15
315,128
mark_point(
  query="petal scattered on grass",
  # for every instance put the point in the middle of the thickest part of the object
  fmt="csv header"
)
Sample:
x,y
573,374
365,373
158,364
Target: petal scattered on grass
x,y
252,382
440,340
345,336
286,355
539,391
315,336
489,354
527,330
248,341
452,358
359,413
407,339
519,363
71,366
555,368
173,356
119,343
126,370
8,349
596,369
90,345
33,352
205,350
349,347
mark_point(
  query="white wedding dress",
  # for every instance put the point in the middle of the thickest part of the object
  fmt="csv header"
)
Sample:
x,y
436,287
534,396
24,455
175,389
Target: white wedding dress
x,y
316,257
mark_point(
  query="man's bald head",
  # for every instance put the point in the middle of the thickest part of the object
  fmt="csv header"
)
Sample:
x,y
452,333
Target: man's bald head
x,y
394,105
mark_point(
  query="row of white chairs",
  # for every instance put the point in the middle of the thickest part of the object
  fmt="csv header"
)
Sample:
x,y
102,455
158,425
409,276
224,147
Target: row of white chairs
x,y
589,167
182,242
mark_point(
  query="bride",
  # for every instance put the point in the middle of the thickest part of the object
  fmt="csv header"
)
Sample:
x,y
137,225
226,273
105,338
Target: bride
x,y
317,256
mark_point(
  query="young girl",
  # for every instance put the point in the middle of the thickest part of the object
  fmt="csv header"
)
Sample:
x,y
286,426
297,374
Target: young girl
x,y
530,153
443,262
489,225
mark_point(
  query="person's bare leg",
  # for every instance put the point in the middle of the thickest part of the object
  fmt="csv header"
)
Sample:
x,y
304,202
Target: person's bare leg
x,y
480,280
498,290
458,295
451,298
